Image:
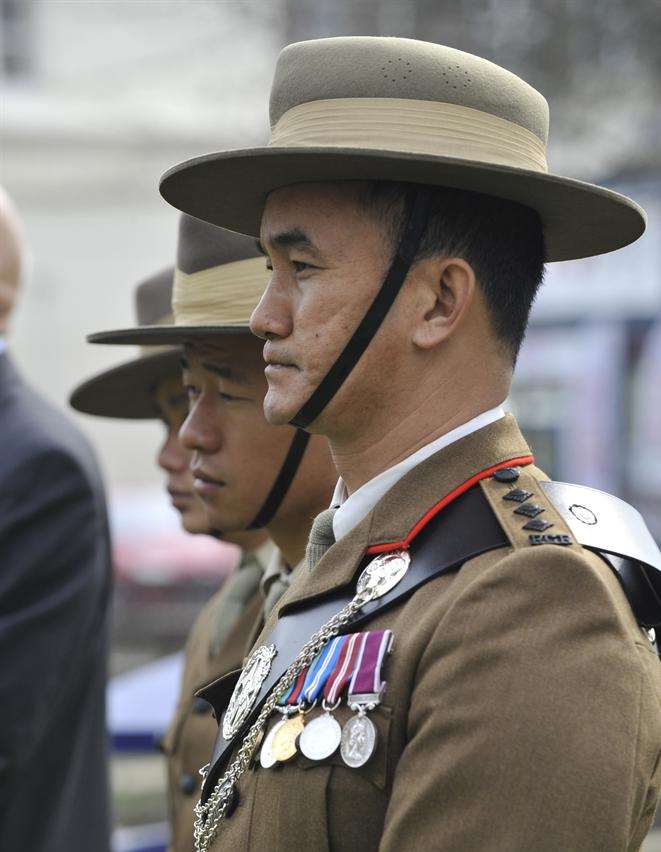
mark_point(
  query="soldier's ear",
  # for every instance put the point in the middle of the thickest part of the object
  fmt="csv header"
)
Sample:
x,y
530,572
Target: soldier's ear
x,y
446,289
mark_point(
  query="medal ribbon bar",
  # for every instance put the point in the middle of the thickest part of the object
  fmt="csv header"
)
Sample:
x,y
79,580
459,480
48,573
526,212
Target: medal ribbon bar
x,y
321,668
291,697
344,668
366,684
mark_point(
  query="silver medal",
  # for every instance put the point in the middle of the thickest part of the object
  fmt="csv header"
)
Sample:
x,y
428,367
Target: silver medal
x,y
266,757
358,741
383,574
255,672
320,737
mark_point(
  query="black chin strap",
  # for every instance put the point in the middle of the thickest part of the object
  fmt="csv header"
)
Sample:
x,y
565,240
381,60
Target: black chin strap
x,y
282,481
417,219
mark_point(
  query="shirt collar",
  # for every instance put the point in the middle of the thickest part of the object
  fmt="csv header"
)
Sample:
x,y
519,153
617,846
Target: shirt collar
x,y
275,568
262,556
351,509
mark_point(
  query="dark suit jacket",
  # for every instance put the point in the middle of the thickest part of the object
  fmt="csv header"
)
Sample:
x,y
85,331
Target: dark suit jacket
x,y
55,580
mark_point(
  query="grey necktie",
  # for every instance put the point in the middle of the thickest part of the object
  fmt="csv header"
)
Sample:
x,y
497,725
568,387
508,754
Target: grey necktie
x,y
237,590
321,537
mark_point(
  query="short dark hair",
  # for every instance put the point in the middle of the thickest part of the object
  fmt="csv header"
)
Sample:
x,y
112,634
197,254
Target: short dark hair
x,y
502,240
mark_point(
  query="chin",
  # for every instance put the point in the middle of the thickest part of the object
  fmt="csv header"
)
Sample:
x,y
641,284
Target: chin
x,y
195,525
224,528
278,411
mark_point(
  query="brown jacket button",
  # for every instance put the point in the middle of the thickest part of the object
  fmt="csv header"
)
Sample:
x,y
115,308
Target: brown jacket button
x,y
187,784
506,474
200,706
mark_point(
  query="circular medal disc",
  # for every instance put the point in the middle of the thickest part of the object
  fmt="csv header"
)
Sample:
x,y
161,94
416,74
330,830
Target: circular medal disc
x,y
284,740
266,757
358,741
383,574
320,738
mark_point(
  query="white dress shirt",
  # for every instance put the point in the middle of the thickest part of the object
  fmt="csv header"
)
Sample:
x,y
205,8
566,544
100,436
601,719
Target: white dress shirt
x,y
353,508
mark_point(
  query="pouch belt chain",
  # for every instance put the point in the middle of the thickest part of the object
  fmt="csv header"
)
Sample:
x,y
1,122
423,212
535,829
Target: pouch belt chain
x,y
371,585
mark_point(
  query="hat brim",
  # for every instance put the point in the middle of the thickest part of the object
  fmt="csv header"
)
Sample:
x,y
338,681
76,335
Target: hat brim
x,y
126,391
158,335
229,189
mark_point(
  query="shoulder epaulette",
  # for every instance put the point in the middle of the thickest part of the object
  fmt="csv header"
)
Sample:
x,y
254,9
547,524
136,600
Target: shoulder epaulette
x,y
534,512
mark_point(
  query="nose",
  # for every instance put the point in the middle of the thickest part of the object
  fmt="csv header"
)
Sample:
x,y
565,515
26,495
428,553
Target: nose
x,y
172,457
200,432
272,317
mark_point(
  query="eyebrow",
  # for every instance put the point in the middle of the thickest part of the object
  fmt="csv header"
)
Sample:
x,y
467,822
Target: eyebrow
x,y
293,238
225,371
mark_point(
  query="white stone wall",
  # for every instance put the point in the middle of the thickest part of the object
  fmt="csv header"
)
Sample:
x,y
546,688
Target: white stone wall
x,y
119,92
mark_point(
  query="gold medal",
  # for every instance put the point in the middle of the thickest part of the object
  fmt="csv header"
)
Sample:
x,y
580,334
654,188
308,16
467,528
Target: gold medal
x,y
266,756
283,746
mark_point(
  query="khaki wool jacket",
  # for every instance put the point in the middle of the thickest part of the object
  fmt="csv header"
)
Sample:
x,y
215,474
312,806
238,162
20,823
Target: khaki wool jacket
x,y
523,705
217,644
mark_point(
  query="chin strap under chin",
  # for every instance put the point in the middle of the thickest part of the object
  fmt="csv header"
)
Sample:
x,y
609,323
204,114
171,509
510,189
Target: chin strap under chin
x,y
418,217
282,482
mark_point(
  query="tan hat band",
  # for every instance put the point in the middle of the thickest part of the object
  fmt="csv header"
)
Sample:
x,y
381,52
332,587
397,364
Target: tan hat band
x,y
412,127
168,319
145,351
221,295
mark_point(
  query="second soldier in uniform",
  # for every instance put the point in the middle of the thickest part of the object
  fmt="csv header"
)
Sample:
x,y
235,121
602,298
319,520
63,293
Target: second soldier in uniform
x,y
275,479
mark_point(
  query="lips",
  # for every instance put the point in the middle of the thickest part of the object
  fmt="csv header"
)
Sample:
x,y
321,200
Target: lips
x,y
275,360
198,473
205,485
177,493
276,369
181,499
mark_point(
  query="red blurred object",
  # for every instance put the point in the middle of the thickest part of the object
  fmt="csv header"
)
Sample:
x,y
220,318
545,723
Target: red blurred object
x,y
151,548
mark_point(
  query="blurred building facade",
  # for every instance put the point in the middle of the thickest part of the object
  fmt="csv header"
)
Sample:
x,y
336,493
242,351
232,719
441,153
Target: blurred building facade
x,y
100,98
588,380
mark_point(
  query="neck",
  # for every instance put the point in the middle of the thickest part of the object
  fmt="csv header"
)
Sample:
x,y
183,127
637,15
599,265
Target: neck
x,y
402,429
247,540
291,539
289,532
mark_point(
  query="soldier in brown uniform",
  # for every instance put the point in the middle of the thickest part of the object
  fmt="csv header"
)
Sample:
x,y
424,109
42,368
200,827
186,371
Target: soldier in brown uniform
x,y
149,387
275,479
518,706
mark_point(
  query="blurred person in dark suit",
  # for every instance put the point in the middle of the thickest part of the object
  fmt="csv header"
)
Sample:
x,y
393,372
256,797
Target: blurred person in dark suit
x,y
54,594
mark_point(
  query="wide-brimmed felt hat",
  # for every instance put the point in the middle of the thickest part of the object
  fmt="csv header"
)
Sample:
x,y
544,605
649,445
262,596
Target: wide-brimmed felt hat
x,y
219,278
126,391
363,108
